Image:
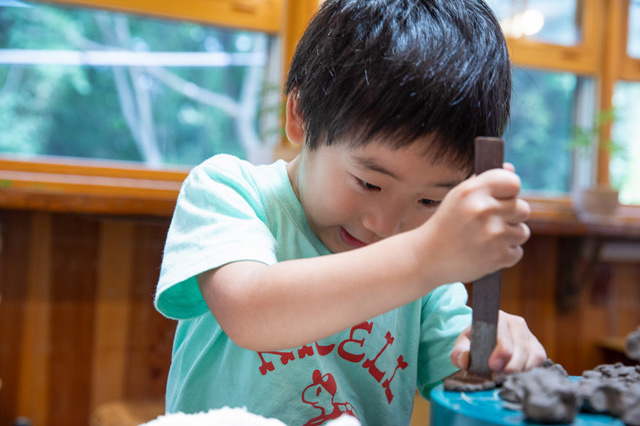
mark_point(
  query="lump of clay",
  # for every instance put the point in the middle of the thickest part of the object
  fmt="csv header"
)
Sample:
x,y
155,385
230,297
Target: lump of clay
x,y
546,395
633,345
512,387
603,396
612,389
631,416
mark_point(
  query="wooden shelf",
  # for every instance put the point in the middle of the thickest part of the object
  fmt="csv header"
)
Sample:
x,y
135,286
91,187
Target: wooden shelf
x,y
74,186
79,186
556,217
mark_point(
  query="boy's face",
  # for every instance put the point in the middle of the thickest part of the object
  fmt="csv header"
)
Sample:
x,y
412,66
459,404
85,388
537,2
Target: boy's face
x,y
357,196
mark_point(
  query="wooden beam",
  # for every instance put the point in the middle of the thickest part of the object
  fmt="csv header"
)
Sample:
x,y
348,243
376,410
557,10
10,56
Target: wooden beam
x,y
111,324
258,15
614,48
296,16
33,393
88,187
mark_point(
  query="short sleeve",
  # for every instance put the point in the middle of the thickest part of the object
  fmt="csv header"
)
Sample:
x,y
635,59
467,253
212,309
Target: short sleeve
x,y
218,219
445,315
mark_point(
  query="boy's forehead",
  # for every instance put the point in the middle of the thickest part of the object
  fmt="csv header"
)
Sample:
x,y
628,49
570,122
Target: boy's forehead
x,y
426,151
397,163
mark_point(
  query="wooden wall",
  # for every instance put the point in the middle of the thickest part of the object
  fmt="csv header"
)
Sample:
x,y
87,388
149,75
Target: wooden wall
x,y
571,322
77,324
78,328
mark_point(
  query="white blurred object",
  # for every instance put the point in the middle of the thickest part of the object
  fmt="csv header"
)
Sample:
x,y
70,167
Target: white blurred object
x,y
527,23
232,417
344,420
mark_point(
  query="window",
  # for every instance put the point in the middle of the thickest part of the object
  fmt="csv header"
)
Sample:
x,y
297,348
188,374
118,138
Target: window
x,y
625,173
544,100
95,84
565,75
536,140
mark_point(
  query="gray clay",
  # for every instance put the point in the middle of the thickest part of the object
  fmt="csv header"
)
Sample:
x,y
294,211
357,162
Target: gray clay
x,y
633,345
631,416
545,394
604,396
463,381
612,389
512,386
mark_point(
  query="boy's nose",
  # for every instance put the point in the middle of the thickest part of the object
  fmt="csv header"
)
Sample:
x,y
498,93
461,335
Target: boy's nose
x,y
384,222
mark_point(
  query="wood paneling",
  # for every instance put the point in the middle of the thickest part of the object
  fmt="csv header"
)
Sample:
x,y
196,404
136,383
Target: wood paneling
x,y
16,232
78,328
112,317
77,324
607,302
34,361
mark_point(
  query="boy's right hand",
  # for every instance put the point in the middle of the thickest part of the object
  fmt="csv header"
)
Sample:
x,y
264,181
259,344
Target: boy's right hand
x,y
479,227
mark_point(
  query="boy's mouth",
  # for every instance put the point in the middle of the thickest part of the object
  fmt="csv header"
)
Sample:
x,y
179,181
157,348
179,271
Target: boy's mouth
x,y
350,240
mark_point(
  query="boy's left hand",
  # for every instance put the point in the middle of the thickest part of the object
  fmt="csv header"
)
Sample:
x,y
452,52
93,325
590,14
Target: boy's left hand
x,y
517,349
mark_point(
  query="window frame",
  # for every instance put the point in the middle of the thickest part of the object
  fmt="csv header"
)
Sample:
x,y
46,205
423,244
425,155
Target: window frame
x,y
257,15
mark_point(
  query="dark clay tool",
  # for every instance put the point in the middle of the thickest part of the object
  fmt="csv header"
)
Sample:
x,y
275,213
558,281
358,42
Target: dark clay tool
x,y
489,154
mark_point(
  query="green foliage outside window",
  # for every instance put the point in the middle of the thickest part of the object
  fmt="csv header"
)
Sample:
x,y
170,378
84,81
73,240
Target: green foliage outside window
x,y
175,113
536,139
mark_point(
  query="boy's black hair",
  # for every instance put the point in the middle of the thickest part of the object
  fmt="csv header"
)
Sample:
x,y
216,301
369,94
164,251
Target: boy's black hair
x,y
398,70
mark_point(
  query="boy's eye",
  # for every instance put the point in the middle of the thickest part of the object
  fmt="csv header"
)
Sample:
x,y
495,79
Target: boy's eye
x,y
429,203
369,187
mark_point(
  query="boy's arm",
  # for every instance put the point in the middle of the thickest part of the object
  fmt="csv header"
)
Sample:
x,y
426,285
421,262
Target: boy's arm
x,y
477,229
296,302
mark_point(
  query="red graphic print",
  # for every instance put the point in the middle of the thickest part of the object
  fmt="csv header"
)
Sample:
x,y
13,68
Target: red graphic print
x,y
320,394
376,359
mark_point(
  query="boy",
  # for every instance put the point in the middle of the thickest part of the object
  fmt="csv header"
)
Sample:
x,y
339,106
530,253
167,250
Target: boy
x,y
320,287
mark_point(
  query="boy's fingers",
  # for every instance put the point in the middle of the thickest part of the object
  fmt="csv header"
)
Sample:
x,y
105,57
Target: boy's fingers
x,y
503,352
509,166
519,234
514,210
501,184
461,360
517,349
460,353
524,360
522,210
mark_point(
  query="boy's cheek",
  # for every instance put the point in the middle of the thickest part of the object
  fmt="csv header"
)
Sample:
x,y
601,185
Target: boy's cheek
x,y
421,220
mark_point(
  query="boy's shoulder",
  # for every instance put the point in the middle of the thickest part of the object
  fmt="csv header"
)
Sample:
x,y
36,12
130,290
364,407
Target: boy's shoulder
x,y
221,163
227,163
224,170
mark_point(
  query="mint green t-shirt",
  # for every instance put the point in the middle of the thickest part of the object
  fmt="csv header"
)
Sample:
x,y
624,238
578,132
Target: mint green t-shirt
x,y
229,210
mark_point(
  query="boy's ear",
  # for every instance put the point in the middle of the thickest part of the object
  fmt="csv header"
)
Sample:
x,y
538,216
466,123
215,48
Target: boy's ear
x,y
294,122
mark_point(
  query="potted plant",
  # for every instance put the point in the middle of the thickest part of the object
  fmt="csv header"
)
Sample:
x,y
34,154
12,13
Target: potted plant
x,y
594,202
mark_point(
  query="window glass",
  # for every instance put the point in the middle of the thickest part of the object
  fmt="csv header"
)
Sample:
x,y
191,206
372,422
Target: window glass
x,y
536,140
95,84
624,168
633,43
550,21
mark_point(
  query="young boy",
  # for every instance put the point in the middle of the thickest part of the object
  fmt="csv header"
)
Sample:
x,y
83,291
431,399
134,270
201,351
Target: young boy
x,y
309,289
